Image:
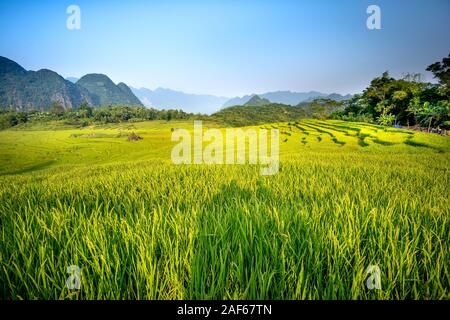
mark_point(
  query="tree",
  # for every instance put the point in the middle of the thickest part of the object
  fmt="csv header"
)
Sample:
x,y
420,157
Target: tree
x,y
441,71
57,109
412,77
376,94
437,112
386,119
85,111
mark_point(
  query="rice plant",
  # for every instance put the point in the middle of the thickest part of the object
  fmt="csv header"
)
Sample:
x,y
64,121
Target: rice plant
x,y
140,227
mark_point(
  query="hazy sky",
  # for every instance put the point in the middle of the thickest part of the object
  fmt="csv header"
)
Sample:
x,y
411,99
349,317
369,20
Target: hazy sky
x,y
228,47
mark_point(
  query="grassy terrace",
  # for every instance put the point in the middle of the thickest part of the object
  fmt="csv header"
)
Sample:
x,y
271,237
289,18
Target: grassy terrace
x,y
348,195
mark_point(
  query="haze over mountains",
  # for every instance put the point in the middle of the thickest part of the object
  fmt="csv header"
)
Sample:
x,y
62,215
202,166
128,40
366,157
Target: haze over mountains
x,y
161,98
170,99
38,90
72,79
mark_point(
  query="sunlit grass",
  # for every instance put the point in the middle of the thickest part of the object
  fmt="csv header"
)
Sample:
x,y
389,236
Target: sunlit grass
x,y
140,227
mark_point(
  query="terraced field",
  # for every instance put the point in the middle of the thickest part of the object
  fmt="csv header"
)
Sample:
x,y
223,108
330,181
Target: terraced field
x,y
363,134
347,196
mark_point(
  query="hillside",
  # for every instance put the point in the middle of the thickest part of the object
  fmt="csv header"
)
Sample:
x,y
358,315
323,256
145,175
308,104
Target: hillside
x,y
162,98
104,92
286,97
250,114
321,107
254,115
23,90
332,96
26,90
257,101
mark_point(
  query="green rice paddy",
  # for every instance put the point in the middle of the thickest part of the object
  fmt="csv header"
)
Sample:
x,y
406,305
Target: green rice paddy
x,y
347,196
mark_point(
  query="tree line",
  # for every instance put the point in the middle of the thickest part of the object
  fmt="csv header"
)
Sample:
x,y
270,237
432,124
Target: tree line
x,y
86,115
408,101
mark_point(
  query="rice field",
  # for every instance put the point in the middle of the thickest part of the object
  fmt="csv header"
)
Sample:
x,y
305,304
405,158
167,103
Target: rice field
x,y
347,196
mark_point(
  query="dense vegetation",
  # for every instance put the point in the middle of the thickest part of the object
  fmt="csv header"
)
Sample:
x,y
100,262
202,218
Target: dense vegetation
x,y
348,195
406,101
257,101
252,115
86,115
274,112
231,116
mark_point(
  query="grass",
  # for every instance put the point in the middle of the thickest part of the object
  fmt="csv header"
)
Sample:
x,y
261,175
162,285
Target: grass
x,y
140,227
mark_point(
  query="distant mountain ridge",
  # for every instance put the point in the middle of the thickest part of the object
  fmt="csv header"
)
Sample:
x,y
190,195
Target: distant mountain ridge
x,y
161,98
37,90
72,79
332,96
25,90
286,97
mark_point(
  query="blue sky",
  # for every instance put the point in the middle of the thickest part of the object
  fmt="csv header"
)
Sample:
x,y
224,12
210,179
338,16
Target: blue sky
x,y
228,48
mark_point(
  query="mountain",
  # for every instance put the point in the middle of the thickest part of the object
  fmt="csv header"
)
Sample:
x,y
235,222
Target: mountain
x,y
127,91
253,115
10,67
321,107
104,92
170,99
237,101
275,112
256,101
283,97
72,79
339,97
332,96
286,97
289,97
26,90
